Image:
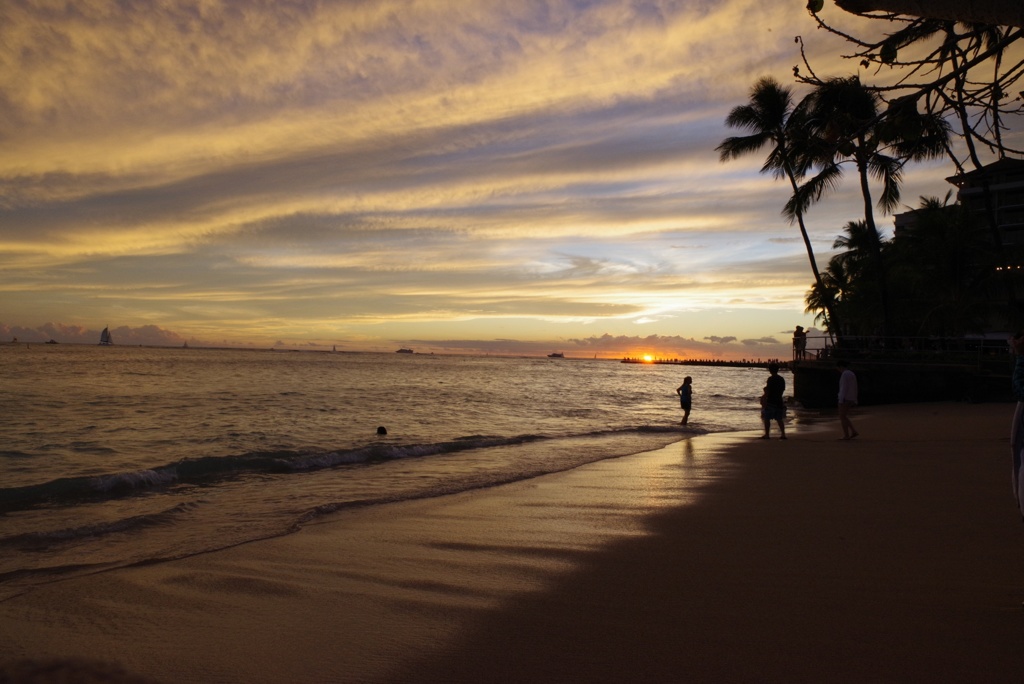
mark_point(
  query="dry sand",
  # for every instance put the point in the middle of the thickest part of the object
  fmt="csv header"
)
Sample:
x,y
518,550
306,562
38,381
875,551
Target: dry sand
x,y
897,557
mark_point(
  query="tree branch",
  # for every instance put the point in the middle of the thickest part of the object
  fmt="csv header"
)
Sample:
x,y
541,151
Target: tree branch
x,y
994,12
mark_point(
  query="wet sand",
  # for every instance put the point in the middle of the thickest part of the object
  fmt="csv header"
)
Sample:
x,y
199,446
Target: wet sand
x,y
896,557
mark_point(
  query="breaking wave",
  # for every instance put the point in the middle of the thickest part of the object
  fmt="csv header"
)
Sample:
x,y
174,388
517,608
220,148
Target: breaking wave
x,y
206,470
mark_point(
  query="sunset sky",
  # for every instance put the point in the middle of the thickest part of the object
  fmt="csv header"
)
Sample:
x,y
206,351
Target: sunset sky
x,y
454,176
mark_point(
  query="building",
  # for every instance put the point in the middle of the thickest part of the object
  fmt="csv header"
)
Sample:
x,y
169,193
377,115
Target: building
x,y
1001,208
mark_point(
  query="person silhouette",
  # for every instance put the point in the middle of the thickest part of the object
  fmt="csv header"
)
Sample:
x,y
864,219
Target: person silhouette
x,y
847,398
773,405
799,342
685,392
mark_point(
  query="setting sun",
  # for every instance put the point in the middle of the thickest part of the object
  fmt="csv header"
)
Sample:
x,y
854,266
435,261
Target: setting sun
x,y
648,358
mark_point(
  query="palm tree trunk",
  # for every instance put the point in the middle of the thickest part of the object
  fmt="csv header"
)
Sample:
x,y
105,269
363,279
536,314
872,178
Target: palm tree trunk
x,y
833,321
876,246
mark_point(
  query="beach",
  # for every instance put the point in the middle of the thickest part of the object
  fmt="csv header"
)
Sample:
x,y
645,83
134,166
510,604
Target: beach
x,y
895,557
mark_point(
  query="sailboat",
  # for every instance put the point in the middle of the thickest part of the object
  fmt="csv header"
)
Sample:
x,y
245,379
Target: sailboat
x,y
106,338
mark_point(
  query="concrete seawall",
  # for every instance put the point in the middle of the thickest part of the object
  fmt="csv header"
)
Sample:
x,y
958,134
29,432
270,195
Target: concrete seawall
x,y
816,383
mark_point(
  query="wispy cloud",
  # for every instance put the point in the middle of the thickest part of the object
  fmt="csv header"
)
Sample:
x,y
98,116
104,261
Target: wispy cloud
x,y
376,170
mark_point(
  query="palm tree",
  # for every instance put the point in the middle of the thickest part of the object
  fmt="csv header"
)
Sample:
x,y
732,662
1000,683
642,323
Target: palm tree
x,y
858,244
846,117
772,119
832,295
850,283
865,275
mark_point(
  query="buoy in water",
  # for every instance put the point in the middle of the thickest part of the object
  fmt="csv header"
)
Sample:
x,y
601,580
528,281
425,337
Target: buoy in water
x,y
382,430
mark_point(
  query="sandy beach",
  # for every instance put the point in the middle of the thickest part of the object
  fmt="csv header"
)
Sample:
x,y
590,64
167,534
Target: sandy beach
x,y
896,557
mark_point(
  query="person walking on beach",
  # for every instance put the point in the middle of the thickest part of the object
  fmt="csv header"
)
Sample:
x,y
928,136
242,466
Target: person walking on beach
x,y
685,392
847,398
773,406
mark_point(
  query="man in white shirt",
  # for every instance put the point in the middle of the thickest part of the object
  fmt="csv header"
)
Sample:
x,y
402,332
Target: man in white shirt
x,y
847,398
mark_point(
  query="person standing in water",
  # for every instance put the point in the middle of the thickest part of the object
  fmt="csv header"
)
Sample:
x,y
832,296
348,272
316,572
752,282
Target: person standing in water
x,y
773,406
685,392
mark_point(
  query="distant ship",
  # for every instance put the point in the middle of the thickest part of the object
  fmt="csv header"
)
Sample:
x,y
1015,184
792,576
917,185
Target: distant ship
x,y
106,339
556,355
404,350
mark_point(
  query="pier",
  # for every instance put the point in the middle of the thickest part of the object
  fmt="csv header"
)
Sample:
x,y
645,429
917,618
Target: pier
x,y
744,363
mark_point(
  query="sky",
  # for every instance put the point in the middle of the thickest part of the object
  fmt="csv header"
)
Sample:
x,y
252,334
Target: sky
x,y
501,177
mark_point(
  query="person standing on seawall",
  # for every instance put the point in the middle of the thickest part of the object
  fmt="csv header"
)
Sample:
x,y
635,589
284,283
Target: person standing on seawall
x,y
847,398
685,392
773,405
1017,427
799,342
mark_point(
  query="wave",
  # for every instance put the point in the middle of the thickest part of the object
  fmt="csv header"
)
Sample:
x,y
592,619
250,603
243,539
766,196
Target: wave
x,y
209,469
181,530
4,453
34,541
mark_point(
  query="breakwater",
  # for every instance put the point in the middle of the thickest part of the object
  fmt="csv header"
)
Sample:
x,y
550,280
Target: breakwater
x,y
743,363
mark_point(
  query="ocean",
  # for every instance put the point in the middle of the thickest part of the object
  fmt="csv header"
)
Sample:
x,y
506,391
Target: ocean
x,y
113,456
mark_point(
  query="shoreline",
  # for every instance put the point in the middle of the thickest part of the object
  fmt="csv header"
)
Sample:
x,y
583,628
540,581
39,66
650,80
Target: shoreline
x,y
896,557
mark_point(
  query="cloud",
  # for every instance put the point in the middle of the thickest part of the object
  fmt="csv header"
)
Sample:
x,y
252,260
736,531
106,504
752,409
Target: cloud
x,y
146,335
674,345
760,342
605,345
361,170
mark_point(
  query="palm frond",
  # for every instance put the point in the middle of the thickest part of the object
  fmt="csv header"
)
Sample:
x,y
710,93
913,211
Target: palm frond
x,y
740,146
826,180
889,171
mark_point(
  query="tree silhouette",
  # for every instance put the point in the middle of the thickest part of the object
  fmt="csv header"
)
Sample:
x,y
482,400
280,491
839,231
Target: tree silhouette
x,y
954,63
771,118
842,116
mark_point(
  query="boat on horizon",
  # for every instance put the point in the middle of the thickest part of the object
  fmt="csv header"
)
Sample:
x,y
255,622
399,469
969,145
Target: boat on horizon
x,y
106,339
404,350
556,355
